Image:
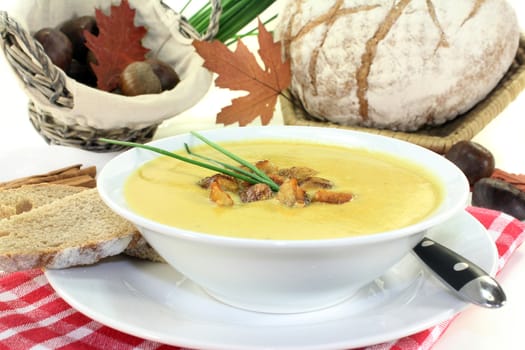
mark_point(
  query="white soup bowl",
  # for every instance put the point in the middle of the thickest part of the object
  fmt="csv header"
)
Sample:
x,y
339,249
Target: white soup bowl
x,y
284,276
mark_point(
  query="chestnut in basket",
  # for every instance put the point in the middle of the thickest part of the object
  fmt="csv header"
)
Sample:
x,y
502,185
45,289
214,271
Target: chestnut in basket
x,y
82,73
66,47
139,78
74,30
166,74
147,77
473,159
57,46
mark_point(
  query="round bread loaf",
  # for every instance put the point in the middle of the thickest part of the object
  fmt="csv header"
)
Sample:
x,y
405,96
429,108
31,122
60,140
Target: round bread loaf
x,y
398,64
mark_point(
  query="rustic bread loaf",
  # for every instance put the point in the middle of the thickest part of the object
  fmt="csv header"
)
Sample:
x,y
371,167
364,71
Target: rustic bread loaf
x,y
78,229
17,200
397,64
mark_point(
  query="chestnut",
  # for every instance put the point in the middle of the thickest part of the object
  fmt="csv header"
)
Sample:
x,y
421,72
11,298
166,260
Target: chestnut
x,y
499,195
167,75
74,30
139,78
82,73
57,46
474,160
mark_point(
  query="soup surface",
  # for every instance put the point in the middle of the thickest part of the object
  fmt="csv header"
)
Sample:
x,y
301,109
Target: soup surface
x,y
389,193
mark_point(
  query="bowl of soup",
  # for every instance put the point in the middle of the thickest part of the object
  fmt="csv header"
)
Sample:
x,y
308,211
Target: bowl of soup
x,y
346,207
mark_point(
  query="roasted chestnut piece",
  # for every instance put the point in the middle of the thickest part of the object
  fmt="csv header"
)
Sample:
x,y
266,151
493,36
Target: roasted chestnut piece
x,y
57,46
473,159
499,195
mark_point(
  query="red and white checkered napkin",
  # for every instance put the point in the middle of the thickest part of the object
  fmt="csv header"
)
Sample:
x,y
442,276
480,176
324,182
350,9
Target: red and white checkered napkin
x,y
33,316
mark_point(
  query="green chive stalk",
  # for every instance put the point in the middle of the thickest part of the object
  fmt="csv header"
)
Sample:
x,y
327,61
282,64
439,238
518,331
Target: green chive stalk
x,y
226,165
258,174
254,176
236,14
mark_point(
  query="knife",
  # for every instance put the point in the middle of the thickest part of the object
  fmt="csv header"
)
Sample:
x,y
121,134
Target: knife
x,y
465,278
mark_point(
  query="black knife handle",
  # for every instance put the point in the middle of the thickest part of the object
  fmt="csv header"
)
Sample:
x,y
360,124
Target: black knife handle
x,y
468,280
450,266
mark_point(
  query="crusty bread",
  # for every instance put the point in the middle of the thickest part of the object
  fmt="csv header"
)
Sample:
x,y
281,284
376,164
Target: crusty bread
x,y
400,64
17,200
78,229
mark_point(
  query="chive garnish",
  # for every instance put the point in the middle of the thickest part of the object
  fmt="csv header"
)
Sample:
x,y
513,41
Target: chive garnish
x,y
253,175
225,165
239,160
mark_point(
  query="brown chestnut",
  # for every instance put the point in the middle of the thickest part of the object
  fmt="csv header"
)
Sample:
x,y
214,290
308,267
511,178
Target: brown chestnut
x,y
167,75
74,30
57,46
499,195
473,159
139,78
82,73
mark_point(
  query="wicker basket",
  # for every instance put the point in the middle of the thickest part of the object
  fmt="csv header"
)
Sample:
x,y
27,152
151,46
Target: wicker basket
x,y
439,138
54,96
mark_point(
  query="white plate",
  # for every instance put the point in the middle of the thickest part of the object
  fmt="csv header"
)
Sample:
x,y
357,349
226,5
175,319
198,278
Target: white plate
x,y
155,302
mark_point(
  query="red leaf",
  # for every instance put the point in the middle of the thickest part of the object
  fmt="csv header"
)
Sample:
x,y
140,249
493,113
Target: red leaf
x,y
239,70
118,44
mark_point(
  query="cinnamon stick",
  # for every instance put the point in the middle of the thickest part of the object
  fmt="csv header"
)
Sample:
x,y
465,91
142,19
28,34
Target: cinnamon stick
x,y
81,180
518,180
73,175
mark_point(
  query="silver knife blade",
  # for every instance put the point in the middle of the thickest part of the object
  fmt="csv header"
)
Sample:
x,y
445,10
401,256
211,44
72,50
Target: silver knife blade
x,y
461,275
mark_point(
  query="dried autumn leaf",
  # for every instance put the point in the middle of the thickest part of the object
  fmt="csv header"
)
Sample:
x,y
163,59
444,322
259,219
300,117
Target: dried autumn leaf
x,y
239,70
118,44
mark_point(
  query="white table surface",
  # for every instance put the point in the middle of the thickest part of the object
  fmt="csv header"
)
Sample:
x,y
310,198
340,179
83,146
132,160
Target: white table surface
x,y
475,328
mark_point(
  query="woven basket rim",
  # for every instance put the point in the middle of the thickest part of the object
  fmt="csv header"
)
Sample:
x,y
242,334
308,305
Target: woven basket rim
x,y
29,60
48,83
438,138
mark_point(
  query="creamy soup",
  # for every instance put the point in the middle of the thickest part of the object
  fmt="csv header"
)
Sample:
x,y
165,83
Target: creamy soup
x,y
388,193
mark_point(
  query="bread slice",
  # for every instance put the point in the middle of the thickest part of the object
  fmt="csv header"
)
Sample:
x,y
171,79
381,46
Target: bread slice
x,y
18,200
78,229
7,211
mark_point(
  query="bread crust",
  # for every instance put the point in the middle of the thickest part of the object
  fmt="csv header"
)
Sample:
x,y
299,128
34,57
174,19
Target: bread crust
x,y
67,257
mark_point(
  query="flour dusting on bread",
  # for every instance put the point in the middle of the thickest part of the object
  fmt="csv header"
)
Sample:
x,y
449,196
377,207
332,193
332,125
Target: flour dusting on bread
x,y
397,64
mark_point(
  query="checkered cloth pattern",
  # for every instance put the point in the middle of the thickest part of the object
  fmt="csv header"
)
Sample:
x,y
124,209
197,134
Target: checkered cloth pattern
x,y
33,316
